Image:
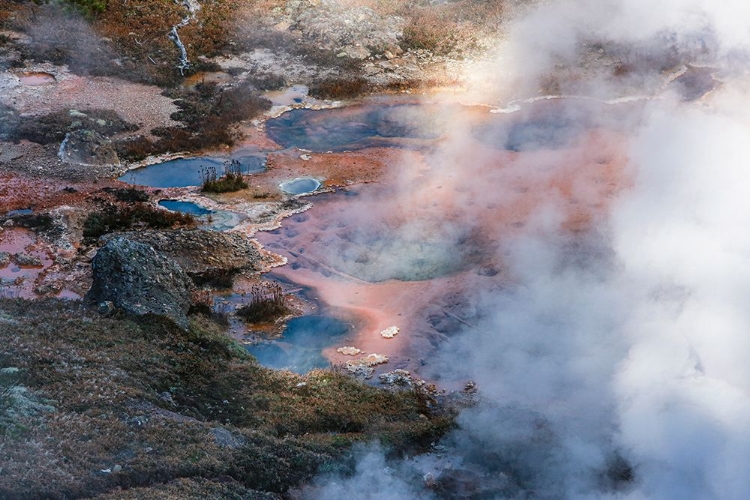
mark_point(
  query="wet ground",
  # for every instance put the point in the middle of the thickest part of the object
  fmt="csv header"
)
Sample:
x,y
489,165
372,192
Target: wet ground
x,y
33,78
413,202
412,250
27,267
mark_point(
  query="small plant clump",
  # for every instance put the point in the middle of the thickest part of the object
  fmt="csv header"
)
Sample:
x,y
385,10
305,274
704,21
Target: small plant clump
x,y
129,195
261,194
340,88
203,303
266,305
232,180
89,7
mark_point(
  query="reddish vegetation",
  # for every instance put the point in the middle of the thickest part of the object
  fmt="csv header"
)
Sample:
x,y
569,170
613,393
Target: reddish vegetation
x,y
20,191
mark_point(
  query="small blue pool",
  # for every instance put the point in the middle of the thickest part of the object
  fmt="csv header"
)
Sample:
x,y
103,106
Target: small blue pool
x,y
185,172
301,345
301,185
213,220
186,207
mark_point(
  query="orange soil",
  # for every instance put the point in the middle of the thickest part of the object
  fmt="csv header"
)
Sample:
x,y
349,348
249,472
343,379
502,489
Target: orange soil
x,y
19,191
21,280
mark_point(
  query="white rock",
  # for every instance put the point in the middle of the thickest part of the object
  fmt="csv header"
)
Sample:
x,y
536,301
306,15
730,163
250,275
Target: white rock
x,y
366,361
348,350
390,332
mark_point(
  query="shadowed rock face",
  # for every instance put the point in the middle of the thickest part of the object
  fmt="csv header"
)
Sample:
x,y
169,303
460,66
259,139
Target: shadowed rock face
x,y
206,256
139,280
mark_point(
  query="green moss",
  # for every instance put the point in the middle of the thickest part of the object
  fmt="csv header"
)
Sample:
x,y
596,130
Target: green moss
x,y
89,7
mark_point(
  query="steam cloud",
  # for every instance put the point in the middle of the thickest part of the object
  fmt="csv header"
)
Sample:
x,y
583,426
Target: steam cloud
x,y
640,356
616,366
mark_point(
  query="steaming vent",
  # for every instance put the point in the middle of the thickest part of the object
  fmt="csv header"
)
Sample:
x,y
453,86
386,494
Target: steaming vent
x,y
553,124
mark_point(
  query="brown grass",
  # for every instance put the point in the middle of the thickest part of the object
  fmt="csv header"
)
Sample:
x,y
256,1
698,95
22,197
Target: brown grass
x,y
151,399
340,88
122,217
232,179
451,28
266,304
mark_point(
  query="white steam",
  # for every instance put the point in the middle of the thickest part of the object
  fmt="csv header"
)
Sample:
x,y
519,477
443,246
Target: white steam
x,y
683,391
618,364
642,355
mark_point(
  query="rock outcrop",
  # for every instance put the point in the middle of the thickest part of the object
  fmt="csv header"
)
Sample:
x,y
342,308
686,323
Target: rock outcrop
x,y
88,147
208,257
139,280
353,32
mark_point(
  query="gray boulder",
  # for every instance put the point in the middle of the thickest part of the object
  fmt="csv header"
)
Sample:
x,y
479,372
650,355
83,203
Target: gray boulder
x,y
207,256
87,147
139,280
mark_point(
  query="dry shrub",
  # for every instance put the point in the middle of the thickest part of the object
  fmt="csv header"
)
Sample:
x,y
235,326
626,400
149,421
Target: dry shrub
x,y
267,81
340,88
428,29
128,195
117,217
37,222
53,127
266,305
207,112
134,148
231,180
450,28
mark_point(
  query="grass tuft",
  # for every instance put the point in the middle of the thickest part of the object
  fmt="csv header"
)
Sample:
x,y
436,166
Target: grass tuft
x,y
267,304
232,180
340,88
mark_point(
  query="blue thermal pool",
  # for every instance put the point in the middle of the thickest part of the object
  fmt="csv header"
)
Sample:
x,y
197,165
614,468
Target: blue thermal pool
x,y
186,207
213,220
185,172
301,185
301,345
357,127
